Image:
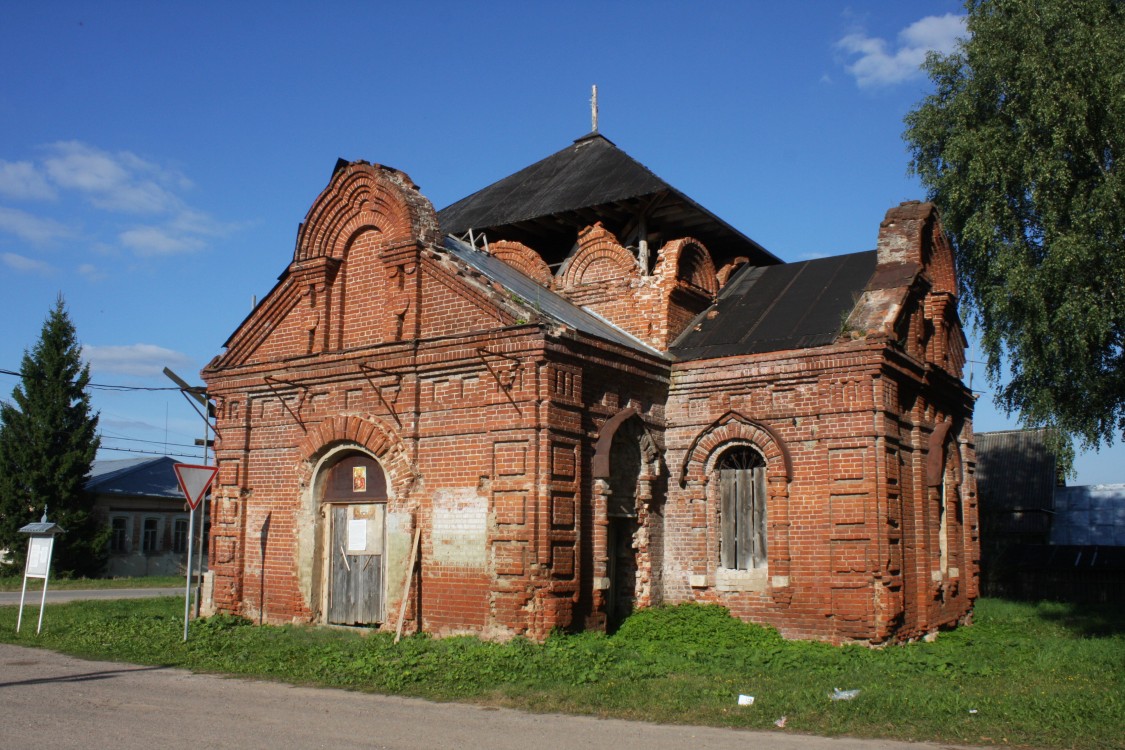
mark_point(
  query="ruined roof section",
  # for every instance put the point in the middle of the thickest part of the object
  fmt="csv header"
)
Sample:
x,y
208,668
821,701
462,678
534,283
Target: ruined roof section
x,y
541,300
1015,470
774,308
546,204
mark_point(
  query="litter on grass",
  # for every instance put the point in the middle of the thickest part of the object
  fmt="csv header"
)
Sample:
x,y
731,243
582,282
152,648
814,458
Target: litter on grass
x,y
843,695
780,723
745,700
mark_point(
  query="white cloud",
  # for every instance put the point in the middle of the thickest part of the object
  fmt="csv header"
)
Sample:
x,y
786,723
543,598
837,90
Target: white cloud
x,y
140,360
25,264
22,180
114,182
91,272
33,229
879,64
152,241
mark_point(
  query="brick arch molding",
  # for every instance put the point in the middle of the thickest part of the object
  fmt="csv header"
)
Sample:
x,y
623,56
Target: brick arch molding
x,y
596,244
938,448
687,260
522,258
367,432
733,427
599,466
365,196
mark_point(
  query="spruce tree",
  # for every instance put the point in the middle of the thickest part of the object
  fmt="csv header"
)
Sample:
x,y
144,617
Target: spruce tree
x,y
48,438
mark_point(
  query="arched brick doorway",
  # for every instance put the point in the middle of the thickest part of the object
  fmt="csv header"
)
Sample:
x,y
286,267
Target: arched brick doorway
x,y
354,500
623,522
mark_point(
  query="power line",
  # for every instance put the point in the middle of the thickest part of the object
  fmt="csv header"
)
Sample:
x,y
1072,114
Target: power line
x,y
109,386
104,436
149,453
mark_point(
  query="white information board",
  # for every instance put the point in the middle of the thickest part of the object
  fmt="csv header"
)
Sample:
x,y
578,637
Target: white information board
x,y
39,556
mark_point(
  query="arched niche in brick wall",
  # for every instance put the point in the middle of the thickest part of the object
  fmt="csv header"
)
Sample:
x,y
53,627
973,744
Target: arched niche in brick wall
x,y
628,525
600,257
362,196
734,430
522,258
690,263
944,480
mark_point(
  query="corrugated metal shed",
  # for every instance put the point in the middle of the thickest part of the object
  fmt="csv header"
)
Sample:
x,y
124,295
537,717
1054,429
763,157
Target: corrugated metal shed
x,y
1015,471
135,477
543,300
1089,514
544,205
774,308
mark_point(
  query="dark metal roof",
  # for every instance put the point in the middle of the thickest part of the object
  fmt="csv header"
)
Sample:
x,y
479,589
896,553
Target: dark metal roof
x,y
1015,470
542,300
544,205
136,477
774,308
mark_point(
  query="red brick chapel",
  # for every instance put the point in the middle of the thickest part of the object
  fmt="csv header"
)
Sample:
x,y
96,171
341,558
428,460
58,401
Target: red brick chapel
x,y
578,392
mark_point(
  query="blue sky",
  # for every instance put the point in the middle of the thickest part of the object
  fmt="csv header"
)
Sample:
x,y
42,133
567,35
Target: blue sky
x,y
156,158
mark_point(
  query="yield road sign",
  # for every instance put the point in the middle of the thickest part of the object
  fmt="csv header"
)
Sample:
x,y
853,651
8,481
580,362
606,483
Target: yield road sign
x,y
194,481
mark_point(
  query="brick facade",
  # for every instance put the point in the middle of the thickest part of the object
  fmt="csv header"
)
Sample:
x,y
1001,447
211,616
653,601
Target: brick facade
x,y
555,478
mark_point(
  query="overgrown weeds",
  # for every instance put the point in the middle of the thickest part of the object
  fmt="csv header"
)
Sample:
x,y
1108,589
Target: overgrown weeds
x,y
1046,675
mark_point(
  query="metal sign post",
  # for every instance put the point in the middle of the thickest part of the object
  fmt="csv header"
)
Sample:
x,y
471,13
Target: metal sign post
x,y
39,549
194,481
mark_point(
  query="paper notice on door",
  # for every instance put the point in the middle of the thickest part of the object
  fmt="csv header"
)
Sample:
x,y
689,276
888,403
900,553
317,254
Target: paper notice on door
x,y
357,535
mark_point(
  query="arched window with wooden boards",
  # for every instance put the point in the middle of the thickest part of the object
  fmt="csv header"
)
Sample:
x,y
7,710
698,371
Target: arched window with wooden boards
x,y
742,508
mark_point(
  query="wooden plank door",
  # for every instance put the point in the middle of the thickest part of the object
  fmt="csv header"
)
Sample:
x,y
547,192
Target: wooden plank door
x,y
355,580
743,512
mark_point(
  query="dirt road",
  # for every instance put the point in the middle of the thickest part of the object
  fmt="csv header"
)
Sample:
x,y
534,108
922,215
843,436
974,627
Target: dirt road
x,y
55,701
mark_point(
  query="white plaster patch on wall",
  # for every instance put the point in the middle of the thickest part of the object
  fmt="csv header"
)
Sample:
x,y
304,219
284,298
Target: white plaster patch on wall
x,y
460,527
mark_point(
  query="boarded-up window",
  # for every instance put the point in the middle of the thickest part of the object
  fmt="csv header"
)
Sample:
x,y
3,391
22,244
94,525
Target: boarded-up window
x,y
742,509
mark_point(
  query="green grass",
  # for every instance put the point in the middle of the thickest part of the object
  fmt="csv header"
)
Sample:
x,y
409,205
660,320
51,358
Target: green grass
x,y
14,583
1046,675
